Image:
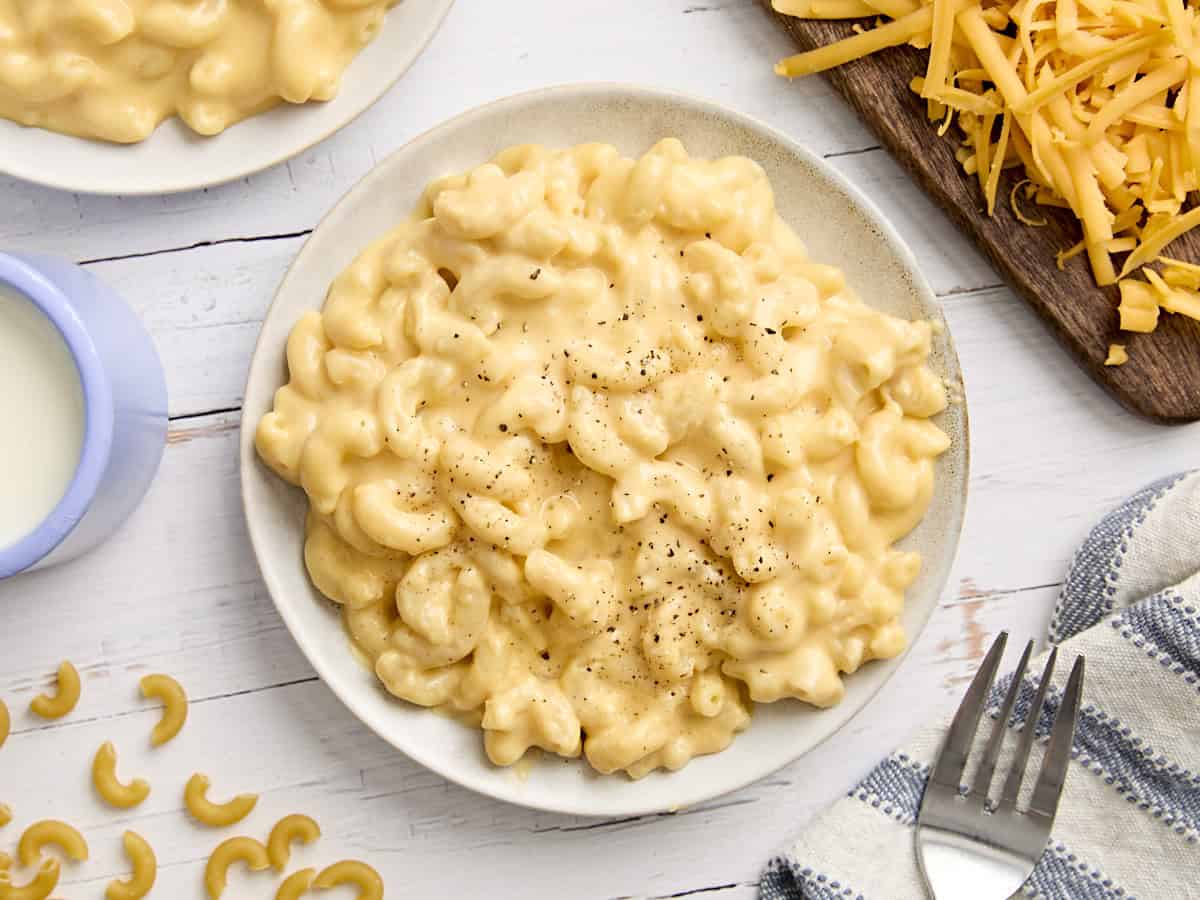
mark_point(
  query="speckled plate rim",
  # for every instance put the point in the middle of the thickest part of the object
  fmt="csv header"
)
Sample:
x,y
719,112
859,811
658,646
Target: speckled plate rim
x,y
175,159
838,217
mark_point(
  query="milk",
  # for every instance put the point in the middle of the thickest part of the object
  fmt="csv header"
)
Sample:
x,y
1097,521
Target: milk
x,y
41,416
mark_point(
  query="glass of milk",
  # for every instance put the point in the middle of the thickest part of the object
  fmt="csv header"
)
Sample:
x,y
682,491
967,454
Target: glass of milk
x,y
83,411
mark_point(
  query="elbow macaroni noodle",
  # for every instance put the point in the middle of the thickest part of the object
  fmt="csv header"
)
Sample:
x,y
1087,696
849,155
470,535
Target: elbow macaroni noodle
x,y
51,831
237,849
5,723
175,706
145,870
596,455
295,827
296,885
215,815
351,871
40,887
65,698
115,69
110,789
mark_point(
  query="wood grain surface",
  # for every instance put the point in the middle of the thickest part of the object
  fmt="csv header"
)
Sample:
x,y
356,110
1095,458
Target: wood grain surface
x,y
1162,378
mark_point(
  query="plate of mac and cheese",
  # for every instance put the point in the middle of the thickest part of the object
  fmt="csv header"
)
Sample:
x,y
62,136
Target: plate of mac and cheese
x,y
156,96
616,429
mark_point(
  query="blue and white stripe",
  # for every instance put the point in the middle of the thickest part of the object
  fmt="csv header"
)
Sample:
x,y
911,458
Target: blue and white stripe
x,y
1129,823
1090,589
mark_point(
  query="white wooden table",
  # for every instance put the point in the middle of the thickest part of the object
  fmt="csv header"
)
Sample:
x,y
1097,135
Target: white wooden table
x,y
178,590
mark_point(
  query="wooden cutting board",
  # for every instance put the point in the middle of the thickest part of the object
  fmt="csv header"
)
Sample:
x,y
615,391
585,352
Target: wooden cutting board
x,y
1162,378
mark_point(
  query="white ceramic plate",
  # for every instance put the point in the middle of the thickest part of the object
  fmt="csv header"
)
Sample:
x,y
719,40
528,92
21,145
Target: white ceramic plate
x,y
840,227
174,158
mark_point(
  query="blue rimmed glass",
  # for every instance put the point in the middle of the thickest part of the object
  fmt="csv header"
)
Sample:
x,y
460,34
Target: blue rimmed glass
x,y
125,408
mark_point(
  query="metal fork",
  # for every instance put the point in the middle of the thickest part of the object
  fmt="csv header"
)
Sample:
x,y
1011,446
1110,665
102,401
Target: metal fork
x,y
967,846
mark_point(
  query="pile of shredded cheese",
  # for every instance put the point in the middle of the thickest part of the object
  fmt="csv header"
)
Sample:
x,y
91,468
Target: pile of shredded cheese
x,y
1097,100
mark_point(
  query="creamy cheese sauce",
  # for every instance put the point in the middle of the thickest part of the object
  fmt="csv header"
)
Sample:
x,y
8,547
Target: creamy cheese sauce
x,y
596,455
115,69
41,416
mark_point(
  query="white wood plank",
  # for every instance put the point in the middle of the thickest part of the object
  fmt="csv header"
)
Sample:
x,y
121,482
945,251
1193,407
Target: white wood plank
x,y
204,309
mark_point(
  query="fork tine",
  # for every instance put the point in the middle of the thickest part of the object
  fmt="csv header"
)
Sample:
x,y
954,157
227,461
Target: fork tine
x,y
952,760
1058,755
1012,784
991,753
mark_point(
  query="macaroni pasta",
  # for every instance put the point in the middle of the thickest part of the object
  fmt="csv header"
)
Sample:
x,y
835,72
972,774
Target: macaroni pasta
x,y
352,871
235,850
215,815
115,69
51,831
64,699
40,887
596,455
295,827
145,870
175,706
109,787
296,885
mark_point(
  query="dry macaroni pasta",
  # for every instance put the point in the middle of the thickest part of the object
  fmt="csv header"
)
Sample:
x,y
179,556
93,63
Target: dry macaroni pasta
x,y
40,887
65,697
215,815
115,69
351,871
145,870
296,885
51,831
593,447
238,849
175,706
110,789
295,827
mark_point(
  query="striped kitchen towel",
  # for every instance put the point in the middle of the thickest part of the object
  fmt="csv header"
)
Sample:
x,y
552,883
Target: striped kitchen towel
x,y
1128,826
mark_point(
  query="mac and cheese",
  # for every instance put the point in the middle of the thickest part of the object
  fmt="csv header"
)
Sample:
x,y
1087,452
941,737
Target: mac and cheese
x,y
596,455
115,69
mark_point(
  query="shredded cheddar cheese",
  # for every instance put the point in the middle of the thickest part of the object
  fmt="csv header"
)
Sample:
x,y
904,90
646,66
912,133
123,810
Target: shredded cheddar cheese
x,y
1139,306
1096,101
